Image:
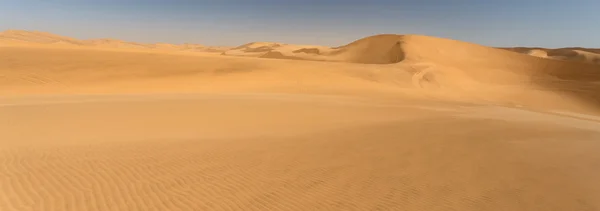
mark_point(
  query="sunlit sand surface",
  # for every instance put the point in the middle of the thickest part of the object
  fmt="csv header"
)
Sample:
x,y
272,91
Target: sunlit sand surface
x,y
388,122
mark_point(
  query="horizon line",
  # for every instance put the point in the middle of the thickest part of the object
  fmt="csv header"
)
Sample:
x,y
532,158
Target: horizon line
x,y
209,45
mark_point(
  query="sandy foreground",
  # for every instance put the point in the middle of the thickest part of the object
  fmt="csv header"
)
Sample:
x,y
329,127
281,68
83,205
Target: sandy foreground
x,y
432,124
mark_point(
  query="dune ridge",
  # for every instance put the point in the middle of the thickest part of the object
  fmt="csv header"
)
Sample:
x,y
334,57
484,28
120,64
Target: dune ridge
x,y
281,51
12,37
588,55
22,36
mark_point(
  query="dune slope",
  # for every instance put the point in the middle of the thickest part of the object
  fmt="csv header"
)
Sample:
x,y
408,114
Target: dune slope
x,y
469,68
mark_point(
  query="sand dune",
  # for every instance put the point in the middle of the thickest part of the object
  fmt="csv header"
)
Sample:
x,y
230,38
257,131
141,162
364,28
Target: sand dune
x,y
115,43
388,122
20,37
464,70
588,55
535,52
282,51
254,49
576,55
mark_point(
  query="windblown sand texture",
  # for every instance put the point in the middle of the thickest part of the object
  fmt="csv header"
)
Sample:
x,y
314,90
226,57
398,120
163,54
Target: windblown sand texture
x,y
388,122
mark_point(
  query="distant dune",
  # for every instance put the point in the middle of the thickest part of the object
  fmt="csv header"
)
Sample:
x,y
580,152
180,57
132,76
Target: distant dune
x,y
282,51
387,122
588,55
536,52
112,43
12,37
21,36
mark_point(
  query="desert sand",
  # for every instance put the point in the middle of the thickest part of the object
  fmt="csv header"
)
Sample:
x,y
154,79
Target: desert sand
x,y
45,39
589,55
388,122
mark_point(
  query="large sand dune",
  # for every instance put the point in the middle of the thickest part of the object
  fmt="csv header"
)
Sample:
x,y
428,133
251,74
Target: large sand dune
x,y
388,122
463,69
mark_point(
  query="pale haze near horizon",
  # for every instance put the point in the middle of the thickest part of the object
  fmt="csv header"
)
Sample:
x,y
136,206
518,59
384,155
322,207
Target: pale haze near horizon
x,y
331,23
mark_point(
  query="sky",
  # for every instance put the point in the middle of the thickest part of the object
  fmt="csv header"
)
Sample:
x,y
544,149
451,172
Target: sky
x,y
499,23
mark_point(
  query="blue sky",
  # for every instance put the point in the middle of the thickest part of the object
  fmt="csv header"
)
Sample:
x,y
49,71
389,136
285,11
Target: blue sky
x,y
544,23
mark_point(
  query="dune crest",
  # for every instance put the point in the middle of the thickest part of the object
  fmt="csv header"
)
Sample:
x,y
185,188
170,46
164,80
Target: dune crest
x,y
22,37
113,43
538,53
587,55
281,51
